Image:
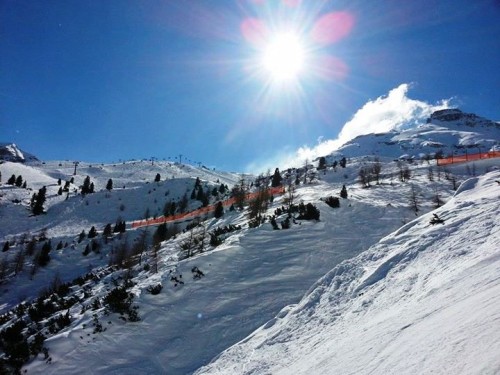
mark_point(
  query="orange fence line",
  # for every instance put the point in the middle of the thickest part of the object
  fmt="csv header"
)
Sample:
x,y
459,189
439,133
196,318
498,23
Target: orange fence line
x,y
198,212
468,157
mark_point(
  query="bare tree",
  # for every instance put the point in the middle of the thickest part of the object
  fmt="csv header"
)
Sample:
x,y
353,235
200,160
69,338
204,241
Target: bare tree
x,y
414,199
260,203
364,176
141,245
239,193
290,196
154,257
306,169
4,266
437,199
430,174
376,169
404,171
19,260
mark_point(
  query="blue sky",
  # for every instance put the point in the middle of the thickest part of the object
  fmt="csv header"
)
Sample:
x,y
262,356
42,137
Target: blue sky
x,y
110,80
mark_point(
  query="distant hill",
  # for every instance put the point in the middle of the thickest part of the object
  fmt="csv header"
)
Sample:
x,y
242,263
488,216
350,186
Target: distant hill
x,y
10,152
446,131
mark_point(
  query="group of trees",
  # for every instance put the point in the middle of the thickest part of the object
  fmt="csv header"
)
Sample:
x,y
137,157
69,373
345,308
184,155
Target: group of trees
x,y
17,181
369,173
88,186
322,163
199,194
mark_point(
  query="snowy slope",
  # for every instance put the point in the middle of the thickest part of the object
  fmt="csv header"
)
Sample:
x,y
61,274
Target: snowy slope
x,y
134,191
248,280
425,299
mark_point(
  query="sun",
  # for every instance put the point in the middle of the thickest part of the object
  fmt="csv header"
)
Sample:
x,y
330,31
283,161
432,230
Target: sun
x,y
283,57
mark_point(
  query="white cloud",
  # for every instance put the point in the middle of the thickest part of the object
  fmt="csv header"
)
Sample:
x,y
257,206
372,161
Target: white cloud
x,y
385,113
392,111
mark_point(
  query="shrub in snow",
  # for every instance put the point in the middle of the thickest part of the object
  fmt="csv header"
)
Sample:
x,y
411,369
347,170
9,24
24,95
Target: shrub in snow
x,y
332,202
308,212
154,290
120,301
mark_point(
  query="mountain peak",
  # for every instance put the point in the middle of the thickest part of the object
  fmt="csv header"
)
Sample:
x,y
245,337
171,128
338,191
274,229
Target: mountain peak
x,y
11,152
460,118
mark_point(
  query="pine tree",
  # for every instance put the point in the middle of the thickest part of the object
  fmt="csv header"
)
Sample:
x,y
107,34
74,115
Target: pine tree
x,y
157,177
60,191
109,185
343,192
276,180
86,185
38,200
206,200
219,210
183,204
44,257
19,181
92,232
81,236
322,163
86,251
107,230
11,180
200,196
25,185
160,234
59,182
343,162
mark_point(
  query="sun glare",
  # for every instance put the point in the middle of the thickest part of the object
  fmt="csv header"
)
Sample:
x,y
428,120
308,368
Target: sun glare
x,y
284,57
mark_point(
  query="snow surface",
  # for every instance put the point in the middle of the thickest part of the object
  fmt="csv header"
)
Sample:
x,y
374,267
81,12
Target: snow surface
x,y
425,299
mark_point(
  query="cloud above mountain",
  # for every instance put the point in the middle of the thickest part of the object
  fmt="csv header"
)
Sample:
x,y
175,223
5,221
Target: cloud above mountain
x,y
385,113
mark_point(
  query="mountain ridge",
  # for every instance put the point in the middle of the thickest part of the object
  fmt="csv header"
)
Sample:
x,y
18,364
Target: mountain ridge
x,y
445,132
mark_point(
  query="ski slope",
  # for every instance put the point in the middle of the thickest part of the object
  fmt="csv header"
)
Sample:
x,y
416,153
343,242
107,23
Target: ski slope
x,y
425,299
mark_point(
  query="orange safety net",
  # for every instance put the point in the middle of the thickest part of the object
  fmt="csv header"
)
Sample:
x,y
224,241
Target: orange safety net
x,y
468,157
201,211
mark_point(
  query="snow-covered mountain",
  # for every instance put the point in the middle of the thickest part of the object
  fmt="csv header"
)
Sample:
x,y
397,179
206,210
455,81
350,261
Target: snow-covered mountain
x,y
371,287
10,152
446,131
